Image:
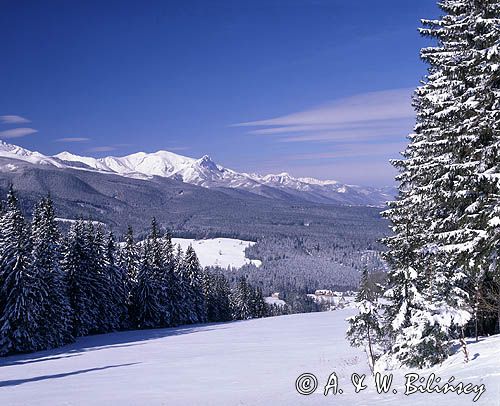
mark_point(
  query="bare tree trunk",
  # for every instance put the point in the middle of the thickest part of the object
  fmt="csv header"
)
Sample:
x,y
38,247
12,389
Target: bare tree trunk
x,y
477,333
372,361
463,343
476,307
498,316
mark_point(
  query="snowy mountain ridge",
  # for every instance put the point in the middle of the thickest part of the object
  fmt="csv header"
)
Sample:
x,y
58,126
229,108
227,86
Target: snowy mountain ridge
x,y
203,172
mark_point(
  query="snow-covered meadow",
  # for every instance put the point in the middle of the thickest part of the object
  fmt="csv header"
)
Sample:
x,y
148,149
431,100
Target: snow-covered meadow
x,y
251,363
222,252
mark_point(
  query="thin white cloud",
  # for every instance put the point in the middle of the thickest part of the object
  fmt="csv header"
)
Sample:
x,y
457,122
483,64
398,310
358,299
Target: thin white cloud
x,y
382,105
104,148
73,139
375,114
11,119
377,131
17,132
345,138
352,151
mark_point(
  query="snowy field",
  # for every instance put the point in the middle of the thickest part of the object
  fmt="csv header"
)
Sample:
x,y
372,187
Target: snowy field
x,y
223,252
240,363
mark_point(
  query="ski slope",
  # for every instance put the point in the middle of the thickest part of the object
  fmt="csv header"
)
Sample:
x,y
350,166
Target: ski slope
x,y
223,252
250,363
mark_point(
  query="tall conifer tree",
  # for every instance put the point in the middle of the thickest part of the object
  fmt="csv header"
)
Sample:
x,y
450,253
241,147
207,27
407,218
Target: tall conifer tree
x,y
448,186
21,294
46,255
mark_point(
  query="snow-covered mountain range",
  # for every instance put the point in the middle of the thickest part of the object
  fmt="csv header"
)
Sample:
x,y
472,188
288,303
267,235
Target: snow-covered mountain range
x,y
201,172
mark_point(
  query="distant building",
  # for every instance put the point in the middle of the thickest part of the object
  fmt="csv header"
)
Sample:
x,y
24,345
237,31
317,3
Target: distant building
x,y
324,292
332,300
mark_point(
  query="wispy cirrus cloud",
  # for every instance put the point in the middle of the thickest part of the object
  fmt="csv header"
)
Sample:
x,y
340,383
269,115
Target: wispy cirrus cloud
x,y
17,132
73,139
360,117
104,148
350,150
114,147
342,139
12,119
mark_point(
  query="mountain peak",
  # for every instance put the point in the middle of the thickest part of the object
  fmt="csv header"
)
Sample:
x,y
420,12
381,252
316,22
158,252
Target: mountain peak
x,y
206,162
65,155
203,172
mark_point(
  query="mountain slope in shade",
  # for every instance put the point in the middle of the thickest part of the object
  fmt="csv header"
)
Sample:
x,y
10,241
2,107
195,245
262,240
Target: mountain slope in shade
x,y
206,173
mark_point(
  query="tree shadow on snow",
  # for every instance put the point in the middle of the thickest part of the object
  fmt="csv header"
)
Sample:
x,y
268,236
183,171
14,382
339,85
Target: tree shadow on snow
x,y
10,361
105,341
16,382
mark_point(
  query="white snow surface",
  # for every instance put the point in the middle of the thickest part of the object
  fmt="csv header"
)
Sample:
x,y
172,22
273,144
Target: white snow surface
x,y
252,363
222,252
274,301
21,154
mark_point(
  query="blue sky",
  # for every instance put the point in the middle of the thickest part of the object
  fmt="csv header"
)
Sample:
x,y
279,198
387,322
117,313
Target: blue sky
x,y
311,87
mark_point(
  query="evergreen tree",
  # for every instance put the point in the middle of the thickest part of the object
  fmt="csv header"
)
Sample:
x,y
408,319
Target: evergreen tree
x,y
364,327
257,303
129,261
195,277
241,306
169,278
129,257
216,291
84,282
105,296
21,294
115,282
55,329
184,311
442,238
149,296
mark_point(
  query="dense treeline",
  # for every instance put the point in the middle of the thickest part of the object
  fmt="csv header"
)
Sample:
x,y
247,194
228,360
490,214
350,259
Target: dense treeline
x,y
54,288
301,265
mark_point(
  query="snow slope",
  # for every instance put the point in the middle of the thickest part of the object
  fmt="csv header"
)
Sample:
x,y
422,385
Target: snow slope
x,y
222,252
11,151
250,363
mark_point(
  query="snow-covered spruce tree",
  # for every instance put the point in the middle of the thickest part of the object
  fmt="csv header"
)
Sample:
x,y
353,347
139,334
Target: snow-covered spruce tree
x,y
216,291
84,281
55,329
150,295
364,328
129,257
109,311
116,287
439,221
20,293
247,302
258,305
195,276
170,281
184,310
241,307
129,261
481,132
471,123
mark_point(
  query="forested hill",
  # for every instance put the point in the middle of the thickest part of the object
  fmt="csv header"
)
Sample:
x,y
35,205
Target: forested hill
x,y
191,211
